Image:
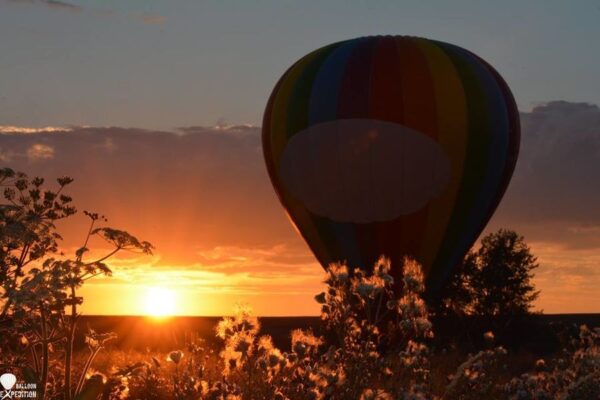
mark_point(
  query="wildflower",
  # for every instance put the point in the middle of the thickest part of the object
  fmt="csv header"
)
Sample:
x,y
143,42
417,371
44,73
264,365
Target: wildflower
x,y
275,358
262,364
413,276
92,375
279,396
304,342
225,328
370,394
320,298
203,387
299,348
232,363
243,346
382,266
175,356
388,279
371,286
540,364
489,337
391,304
265,344
96,341
338,273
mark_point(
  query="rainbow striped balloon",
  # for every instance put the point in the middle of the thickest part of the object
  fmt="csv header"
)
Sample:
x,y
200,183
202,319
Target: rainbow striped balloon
x,y
391,145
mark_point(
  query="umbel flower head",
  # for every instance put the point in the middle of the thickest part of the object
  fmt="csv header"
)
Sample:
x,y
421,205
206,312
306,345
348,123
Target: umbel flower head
x,y
175,356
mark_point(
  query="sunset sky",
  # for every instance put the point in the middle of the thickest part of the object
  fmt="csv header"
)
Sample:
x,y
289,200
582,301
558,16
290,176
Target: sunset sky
x,y
155,109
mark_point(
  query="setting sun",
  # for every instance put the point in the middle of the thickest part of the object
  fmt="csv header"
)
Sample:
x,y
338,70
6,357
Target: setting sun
x,y
159,302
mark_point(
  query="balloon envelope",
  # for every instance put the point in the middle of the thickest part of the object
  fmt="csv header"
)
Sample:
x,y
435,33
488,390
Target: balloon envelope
x,y
391,145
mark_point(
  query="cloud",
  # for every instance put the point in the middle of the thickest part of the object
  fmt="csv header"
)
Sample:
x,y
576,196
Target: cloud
x,y
9,129
585,229
5,156
40,151
201,187
203,197
151,19
56,4
61,4
145,17
556,179
559,163
553,201
235,275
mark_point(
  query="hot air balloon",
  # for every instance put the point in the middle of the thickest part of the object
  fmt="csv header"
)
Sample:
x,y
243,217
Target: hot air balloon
x,y
391,145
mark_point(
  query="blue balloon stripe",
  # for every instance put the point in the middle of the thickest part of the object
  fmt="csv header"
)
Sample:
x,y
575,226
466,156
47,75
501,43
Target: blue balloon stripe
x,y
324,95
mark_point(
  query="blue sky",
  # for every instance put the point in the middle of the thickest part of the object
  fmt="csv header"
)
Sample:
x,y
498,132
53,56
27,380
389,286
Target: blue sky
x,y
164,64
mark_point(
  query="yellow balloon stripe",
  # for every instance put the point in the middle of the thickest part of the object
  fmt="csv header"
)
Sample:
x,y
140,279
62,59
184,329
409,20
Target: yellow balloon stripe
x,y
452,137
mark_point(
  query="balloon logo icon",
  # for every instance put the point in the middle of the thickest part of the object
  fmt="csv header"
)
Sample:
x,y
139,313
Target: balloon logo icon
x,y
8,381
391,145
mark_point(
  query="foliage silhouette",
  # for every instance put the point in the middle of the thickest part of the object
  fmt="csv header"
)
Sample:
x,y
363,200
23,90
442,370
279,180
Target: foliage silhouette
x,y
494,280
39,284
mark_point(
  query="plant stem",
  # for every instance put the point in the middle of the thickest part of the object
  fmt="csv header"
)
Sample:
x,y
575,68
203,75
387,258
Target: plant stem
x,y
45,353
36,361
69,345
87,365
72,326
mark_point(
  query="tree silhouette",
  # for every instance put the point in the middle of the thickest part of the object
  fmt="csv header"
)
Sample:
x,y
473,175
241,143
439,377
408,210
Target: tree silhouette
x,y
494,280
39,284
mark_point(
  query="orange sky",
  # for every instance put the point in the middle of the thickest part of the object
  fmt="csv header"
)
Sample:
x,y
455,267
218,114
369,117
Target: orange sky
x,y
202,197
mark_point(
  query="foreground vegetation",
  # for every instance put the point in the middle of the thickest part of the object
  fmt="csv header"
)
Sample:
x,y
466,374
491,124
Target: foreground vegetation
x,y
378,347
377,342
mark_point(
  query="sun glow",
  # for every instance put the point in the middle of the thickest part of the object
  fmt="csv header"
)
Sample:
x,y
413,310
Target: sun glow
x,y
160,302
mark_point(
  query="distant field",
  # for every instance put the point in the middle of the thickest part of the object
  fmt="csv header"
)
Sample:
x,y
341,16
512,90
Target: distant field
x,y
142,333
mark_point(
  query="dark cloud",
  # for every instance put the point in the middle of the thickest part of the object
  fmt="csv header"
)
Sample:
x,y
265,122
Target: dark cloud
x,y
203,197
61,5
145,17
211,184
555,192
186,191
553,201
559,165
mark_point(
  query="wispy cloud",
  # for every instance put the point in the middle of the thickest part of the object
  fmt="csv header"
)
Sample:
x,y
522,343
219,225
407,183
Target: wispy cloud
x,y
234,275
56,4
151,19
9,129
39,152
59,5
62,5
